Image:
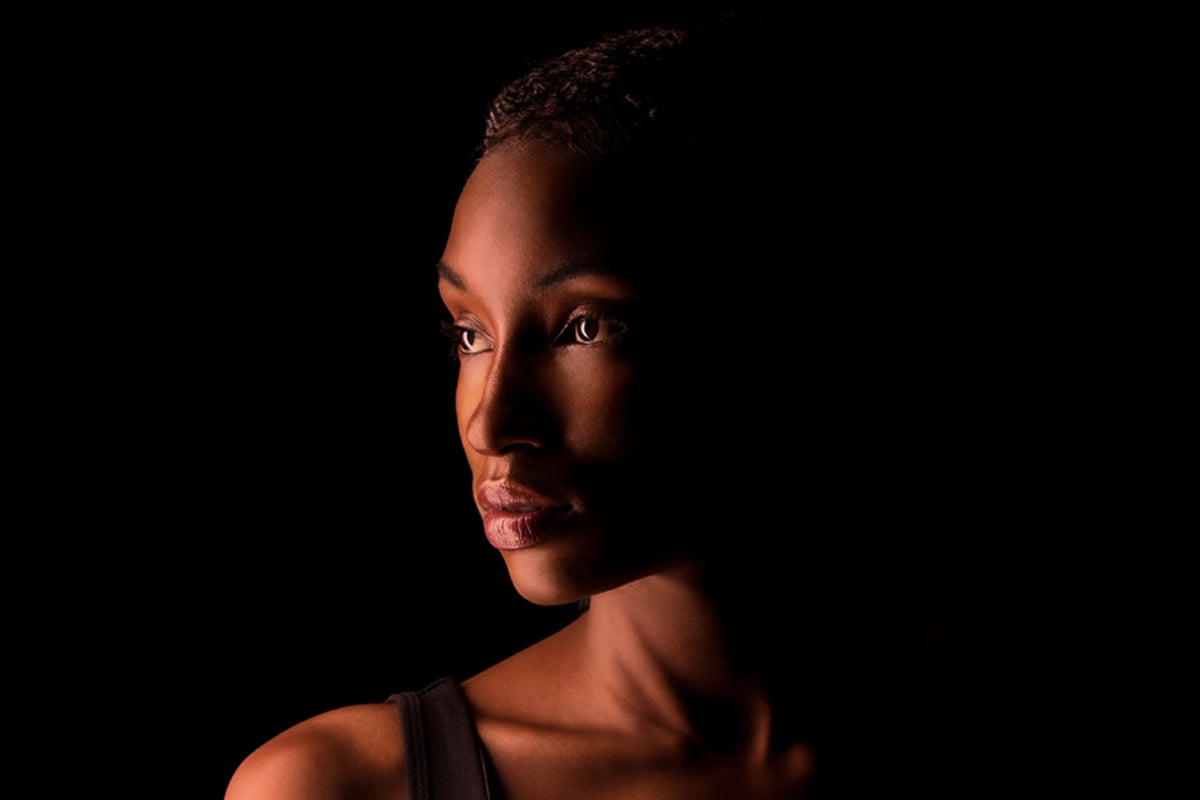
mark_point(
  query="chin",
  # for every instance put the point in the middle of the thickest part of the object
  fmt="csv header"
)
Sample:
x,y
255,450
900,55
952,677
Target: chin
x,y
541,578
558,573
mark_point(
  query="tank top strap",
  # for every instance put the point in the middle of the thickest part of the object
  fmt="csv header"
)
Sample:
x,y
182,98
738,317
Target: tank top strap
x,y
444,759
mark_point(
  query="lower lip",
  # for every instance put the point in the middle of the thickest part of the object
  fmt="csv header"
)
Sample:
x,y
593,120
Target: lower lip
x,y
516,530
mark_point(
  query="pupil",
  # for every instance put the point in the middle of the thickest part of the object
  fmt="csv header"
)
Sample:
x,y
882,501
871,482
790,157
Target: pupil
x,y
587,329
468,339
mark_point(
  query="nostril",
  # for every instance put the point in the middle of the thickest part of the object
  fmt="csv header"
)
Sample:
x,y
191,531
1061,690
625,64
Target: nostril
x,y
495,430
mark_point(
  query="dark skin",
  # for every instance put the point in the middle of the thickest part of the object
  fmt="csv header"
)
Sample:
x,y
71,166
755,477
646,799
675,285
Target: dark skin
x,y
650,694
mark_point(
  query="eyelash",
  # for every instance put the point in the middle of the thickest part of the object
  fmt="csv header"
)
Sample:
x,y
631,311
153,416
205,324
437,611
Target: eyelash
x,y
566,337
571,326
454,332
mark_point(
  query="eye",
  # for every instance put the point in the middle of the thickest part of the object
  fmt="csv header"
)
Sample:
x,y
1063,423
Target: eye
x,y
590,329
587,329
466,341
469,340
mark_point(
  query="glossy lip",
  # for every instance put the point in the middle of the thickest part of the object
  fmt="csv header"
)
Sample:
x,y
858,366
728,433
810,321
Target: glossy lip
x,y
516,517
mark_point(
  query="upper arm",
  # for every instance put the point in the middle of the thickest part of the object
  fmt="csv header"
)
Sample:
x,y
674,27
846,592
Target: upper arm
x,y
355,752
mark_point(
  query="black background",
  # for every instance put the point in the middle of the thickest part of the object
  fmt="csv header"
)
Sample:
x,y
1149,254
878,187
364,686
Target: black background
x,y
269,512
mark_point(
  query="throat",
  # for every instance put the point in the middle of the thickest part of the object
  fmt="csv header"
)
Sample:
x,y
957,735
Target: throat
x,y
660,651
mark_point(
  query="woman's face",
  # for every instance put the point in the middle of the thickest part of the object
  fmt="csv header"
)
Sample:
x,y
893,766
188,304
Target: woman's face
x,y
550,401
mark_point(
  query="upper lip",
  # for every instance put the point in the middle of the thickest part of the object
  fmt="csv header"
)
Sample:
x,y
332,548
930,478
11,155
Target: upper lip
x,y
512,497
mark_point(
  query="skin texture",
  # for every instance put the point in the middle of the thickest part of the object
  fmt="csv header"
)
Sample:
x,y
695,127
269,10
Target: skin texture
x,y
646,695
351,752
524,267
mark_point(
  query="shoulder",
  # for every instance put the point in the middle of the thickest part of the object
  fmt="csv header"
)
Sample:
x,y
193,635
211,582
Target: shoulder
x,y
355,751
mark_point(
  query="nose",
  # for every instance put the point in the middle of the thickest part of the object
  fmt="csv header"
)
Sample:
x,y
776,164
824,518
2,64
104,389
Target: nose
x,y
512,409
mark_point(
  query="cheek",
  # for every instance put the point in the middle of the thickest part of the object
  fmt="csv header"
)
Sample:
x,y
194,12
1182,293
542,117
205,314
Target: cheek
x,y
467,395
601,408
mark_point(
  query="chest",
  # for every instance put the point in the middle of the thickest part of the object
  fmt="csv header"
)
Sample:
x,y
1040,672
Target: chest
x,y
590,768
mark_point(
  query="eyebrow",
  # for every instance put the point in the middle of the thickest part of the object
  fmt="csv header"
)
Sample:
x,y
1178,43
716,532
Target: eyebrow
x,y
445,273
574,268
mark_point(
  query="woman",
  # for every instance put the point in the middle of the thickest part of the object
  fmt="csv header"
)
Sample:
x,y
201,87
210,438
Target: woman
x,y
640,271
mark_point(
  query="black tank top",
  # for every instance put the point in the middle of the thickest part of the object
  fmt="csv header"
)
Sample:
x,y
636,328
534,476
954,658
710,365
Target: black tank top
x,y
444,758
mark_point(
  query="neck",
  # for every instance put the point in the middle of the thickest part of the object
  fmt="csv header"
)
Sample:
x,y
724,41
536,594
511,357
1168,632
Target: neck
x,y
666,654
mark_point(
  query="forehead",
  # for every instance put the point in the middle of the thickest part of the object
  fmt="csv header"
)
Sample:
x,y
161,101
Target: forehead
x,y
540,165
527,210
535,185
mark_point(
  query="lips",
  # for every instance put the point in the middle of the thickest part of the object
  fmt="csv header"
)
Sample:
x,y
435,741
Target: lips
x,y
516,517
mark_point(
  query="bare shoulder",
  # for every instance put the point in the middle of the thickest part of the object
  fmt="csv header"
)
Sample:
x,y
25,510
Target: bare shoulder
x,y
351,752
535,685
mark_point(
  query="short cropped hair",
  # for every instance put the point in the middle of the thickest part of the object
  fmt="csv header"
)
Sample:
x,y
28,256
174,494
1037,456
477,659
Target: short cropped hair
x,y
591,99
696,121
